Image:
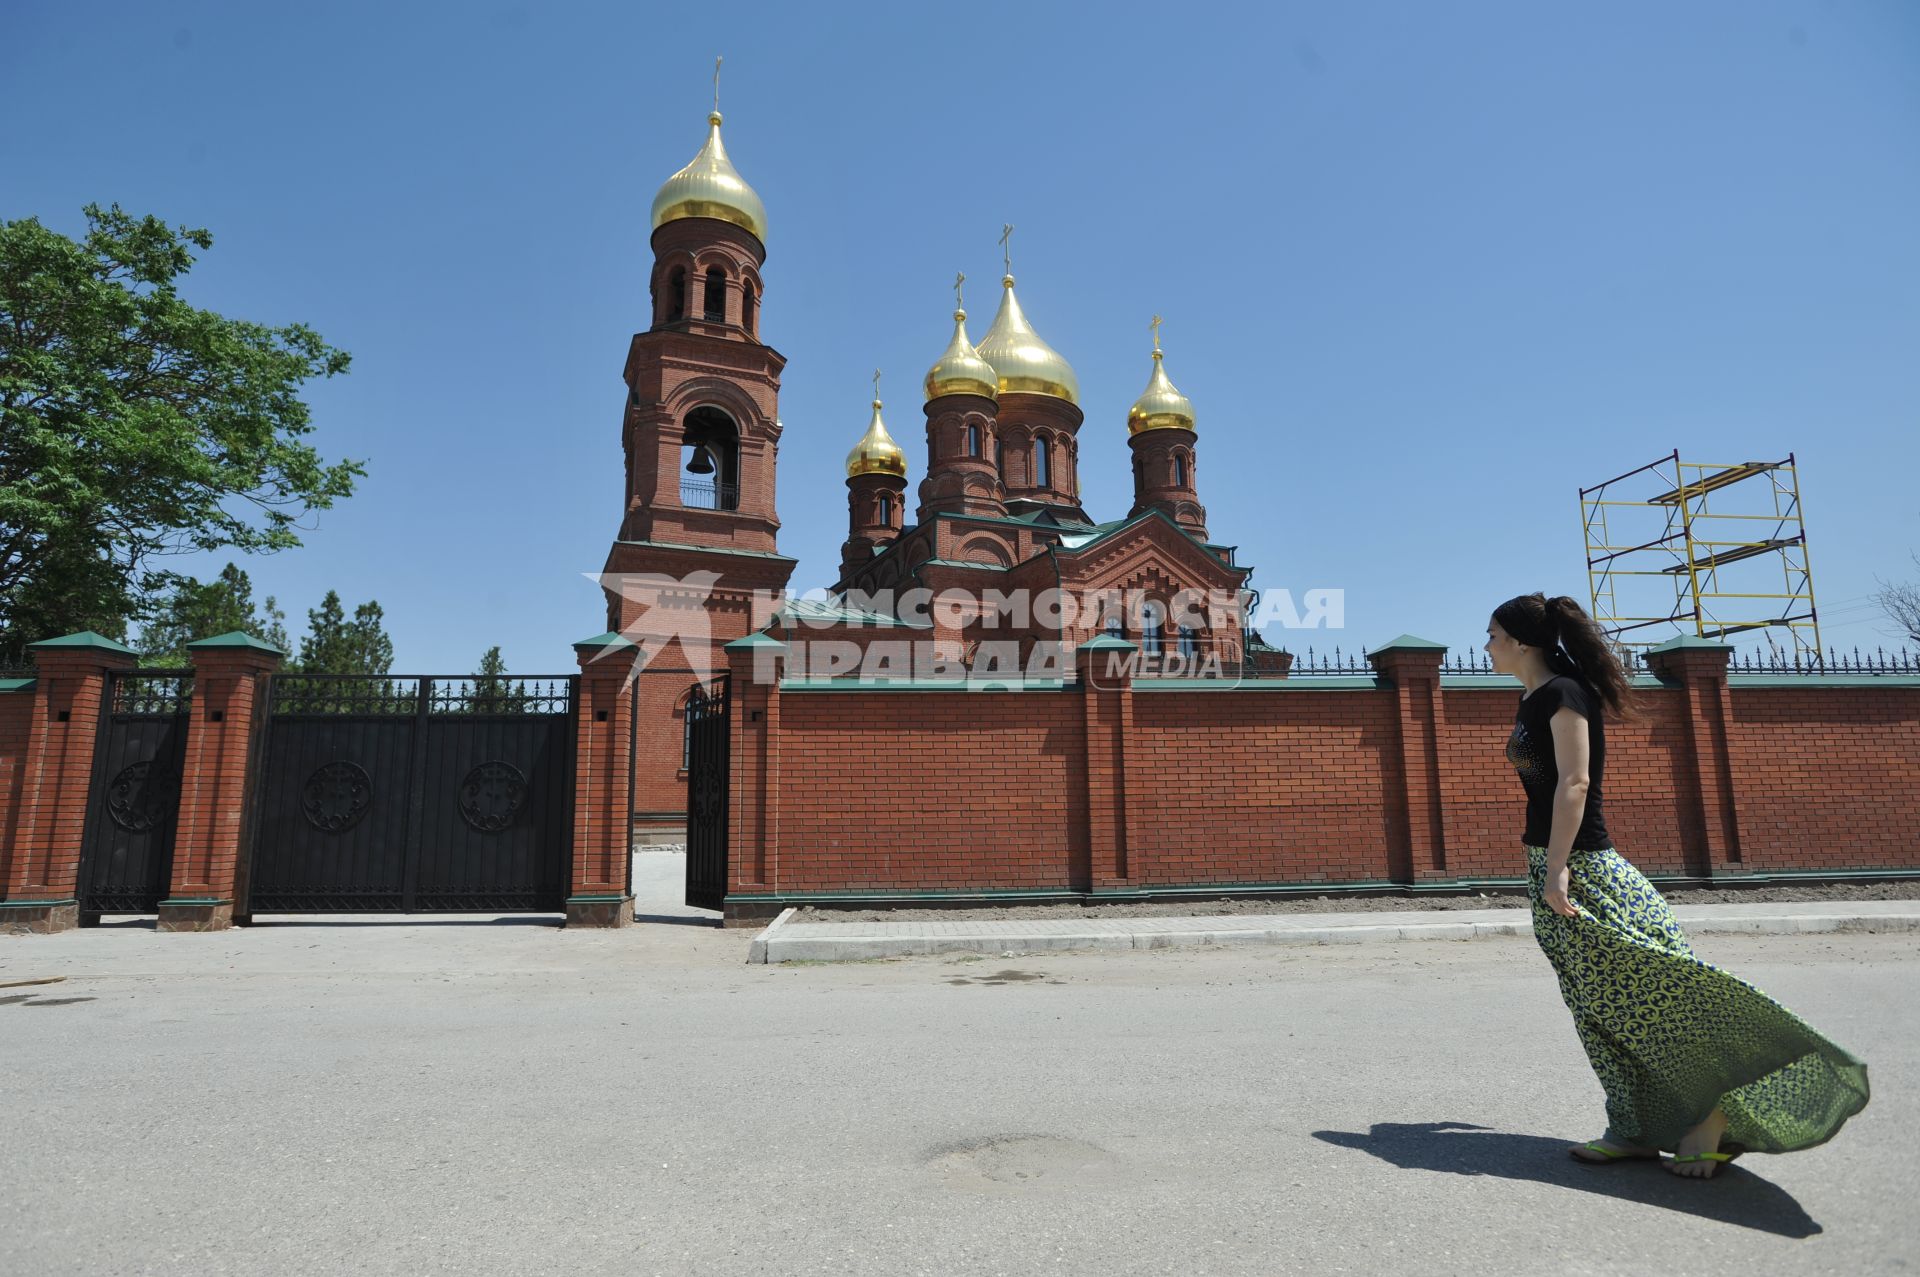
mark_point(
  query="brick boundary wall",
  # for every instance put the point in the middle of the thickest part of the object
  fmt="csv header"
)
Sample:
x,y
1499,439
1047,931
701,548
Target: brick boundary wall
x,y
917,794
1100,789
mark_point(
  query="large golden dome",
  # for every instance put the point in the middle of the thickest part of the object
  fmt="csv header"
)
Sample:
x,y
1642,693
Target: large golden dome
x,y
709,186
1160,407
876,453
1024,363
961,370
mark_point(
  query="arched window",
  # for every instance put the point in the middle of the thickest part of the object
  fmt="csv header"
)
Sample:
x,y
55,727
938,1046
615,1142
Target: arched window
x,y
1000,456
1189,643
709,460
1116,628
973,441
1152,617
747,300
1179,471
886,508
1042,470
714,308
677,295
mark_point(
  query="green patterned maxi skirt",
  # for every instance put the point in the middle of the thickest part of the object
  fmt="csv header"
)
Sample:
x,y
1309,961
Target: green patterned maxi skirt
x,y
1673,1037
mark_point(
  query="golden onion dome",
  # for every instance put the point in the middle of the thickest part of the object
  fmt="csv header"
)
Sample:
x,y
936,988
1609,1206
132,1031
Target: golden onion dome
x,y
961,371
876,453
709,186
1024,363
1160,407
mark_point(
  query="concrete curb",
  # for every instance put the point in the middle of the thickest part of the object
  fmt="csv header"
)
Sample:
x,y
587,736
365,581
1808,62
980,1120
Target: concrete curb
x,y
843,942
757,949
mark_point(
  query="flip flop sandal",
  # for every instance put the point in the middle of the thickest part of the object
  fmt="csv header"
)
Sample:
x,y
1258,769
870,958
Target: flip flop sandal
x,y
1696,1158
1602,1154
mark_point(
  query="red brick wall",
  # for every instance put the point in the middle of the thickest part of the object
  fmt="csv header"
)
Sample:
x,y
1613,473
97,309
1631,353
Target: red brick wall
x,y
876,790
1262,786
932,790
16,716
1826,778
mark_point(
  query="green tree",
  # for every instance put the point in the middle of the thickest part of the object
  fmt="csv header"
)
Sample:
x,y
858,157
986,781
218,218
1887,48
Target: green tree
x,y
134,425
335,645
195,609
493,692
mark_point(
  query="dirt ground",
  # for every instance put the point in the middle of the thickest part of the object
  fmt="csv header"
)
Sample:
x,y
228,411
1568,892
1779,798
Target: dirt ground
x,y
1840,893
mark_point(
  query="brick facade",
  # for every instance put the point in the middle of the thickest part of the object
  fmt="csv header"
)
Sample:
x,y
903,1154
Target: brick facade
x,y
1177,787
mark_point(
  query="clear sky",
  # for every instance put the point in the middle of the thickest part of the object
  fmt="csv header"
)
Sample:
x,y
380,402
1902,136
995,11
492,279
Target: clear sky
x,y
1427,269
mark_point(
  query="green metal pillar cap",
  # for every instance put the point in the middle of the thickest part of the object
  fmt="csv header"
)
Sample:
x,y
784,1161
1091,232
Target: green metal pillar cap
x,y
85,639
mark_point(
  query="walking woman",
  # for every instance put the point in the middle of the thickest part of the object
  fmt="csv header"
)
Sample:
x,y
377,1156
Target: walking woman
x,y
1694,1061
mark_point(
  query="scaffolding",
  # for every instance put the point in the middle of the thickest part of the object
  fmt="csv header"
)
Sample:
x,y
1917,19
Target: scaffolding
x,y
1689,547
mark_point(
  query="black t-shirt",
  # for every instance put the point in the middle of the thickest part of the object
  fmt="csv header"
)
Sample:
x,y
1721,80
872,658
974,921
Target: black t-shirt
x,y
1530,750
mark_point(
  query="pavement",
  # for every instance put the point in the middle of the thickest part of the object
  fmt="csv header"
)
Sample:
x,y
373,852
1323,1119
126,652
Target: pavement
x,y
794,936
499,1095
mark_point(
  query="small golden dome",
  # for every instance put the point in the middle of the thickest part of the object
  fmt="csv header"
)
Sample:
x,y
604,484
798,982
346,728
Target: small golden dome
x,y
1024,363
876,453
1160,407
709,186
961,371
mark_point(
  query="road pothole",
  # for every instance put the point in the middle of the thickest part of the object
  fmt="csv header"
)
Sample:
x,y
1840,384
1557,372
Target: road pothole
x,y
1025,1163
1008,976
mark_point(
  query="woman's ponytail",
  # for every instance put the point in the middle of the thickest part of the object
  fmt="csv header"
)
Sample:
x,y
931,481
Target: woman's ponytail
x,y
1574,644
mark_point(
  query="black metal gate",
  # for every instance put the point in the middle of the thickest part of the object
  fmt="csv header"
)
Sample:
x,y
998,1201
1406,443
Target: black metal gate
x,y
381,794
126,853
707,763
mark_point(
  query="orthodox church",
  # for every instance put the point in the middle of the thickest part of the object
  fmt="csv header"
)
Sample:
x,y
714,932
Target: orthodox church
x,y
998,506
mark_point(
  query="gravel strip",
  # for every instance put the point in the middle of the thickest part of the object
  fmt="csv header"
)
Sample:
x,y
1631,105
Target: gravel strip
x,y
1908,890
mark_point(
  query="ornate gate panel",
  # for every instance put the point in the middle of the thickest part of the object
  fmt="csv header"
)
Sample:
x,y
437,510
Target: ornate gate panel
x,y
382,794
708,760
126,857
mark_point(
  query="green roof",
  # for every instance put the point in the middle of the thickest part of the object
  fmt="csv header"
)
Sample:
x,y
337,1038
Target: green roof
x,y
711,549
1408,643
236,638
85,638
609,639
1691,642
1108,643
759,638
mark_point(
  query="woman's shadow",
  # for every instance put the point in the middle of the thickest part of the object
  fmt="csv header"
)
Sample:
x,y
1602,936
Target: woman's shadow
x,y
1735,1196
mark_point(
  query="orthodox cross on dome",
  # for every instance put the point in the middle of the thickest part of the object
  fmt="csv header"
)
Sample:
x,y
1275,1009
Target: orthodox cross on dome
x,y
716,83
1006,246
959,278
876,386
1155,325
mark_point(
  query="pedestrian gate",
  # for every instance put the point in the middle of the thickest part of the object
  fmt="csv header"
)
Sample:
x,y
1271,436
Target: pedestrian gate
x,y
126,850
707,764
381,794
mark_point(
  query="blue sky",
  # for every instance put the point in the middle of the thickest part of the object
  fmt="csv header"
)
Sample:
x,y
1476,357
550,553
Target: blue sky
x,y
1427,270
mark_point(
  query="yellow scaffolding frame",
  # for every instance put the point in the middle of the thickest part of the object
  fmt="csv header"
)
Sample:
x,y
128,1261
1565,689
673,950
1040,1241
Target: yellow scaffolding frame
x,y
1683,532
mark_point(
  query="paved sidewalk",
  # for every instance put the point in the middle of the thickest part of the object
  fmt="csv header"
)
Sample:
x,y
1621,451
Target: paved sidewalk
x,y
788,940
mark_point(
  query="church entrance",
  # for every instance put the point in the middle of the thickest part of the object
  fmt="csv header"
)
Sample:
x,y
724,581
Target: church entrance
x,y
708,761
381,794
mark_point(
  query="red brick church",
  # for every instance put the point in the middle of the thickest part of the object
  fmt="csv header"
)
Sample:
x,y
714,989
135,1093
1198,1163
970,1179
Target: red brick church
x,y
999,506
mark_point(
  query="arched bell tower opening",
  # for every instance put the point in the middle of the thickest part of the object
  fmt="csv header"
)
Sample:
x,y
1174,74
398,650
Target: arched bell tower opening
x,y
710,460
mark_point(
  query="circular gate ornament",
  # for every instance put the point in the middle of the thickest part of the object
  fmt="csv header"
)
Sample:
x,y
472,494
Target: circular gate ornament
x,y
336,796
139,799
492,795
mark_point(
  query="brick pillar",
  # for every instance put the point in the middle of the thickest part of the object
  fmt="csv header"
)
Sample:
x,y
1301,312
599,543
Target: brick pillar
x,y
758,662
230,680
601,894
1697,669
69,700
1104,666
1411,666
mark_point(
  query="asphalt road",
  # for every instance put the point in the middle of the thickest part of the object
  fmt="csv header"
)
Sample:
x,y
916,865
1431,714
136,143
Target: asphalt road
x,y
505,1097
